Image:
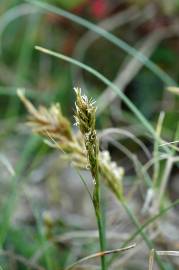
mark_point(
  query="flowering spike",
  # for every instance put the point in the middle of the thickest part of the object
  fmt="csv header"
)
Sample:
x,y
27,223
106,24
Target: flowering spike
x,y
82,151
85,119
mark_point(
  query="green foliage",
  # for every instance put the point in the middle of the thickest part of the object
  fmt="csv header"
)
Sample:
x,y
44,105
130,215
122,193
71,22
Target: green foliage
x,y
68,4
135,110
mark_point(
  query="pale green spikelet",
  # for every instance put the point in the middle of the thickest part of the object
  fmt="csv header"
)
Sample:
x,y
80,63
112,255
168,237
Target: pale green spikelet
x,y
111,173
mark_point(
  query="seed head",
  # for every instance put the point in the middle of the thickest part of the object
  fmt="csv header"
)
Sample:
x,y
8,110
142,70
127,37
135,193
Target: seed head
x,y
47,121
85,117
85,112
111,173
82,150
56,130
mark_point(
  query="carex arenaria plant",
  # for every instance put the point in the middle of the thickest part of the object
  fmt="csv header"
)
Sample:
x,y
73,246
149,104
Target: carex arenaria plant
x,y
81,149
85,117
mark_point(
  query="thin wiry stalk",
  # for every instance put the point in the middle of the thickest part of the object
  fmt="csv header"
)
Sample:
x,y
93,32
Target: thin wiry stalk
x,y
7,164
101,228
160,253
151,259
168,253
85,117
100,254
156,168
126,133
156,149
169,164
164,181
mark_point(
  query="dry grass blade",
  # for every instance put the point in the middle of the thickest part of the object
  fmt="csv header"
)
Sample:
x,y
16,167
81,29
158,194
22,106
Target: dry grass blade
x,y
173,90
126,133
160,253
167,253
168,143
99,254
151,259
4,160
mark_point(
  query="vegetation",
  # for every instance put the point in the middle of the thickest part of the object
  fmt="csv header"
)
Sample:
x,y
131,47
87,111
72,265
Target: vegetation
x,y
94,185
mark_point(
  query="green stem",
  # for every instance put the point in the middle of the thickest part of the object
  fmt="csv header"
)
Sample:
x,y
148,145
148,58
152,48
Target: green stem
x,y
99,219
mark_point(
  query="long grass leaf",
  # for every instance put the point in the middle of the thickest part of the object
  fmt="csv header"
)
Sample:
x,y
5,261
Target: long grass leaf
x,y
107,82
112,38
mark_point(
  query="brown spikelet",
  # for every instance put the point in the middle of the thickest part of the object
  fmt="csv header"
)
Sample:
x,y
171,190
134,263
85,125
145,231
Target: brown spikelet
x,y
45,121
56,129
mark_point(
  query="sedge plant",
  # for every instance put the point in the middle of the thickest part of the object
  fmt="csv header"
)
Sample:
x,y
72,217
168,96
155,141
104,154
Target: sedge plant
x,y
85,117
82,150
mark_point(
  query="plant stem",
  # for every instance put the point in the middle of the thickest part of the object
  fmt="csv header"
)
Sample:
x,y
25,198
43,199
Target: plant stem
x,y
99,219
86,120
